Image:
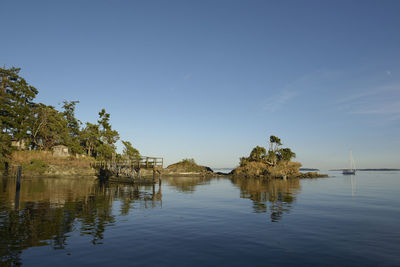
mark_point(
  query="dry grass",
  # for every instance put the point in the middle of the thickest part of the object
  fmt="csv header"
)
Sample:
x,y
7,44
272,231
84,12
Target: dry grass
x,y
26,157
187,165
285,169
252,169
257,169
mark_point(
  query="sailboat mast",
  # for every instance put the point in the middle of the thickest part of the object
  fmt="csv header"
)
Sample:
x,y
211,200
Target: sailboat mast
x,y
352,164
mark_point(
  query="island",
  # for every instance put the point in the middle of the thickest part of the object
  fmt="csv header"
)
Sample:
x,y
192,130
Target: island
x,y
274,163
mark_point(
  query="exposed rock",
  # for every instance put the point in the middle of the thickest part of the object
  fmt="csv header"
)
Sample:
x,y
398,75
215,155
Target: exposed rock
x,y
282,170
187,167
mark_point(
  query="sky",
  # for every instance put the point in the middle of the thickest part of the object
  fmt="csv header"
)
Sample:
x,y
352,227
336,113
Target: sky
x,y
210,80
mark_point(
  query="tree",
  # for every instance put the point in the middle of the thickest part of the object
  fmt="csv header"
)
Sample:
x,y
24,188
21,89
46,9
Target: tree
x,y
49,128
129,151
286,154
275,142
90,137
108,136
73,139
5,149
16,103
257,154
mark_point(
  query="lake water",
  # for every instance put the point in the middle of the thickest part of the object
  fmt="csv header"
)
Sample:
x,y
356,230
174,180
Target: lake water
x,y
341,220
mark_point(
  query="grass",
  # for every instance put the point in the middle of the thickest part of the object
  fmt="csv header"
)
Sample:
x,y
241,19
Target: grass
x,y
35,166
42,159
186,165
258,169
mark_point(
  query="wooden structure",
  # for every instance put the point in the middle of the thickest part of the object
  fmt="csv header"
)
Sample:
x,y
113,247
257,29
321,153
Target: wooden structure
x,y
60,151
133,168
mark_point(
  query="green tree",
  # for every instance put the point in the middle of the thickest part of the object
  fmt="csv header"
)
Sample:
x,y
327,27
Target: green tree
x,y
73,139
286,154
49,128
129,151
257,154
108,136
90,137
16,103
274,144
5,149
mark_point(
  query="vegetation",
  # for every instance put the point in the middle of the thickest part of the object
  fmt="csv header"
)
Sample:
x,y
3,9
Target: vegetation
x,y
188,165
129,151
26,157
36,166
276,162
27,125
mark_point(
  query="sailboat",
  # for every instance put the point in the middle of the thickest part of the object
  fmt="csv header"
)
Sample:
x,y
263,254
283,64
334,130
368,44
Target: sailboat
x,y
352,170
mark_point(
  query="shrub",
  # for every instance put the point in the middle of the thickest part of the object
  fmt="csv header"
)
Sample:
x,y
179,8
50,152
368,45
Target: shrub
x,y
35,165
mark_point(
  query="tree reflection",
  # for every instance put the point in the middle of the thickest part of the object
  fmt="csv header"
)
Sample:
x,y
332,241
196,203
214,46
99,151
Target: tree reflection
x,y
277,194
50,208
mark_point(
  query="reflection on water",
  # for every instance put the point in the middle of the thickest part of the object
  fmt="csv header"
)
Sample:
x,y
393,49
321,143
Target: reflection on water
x,y
277,194
47,209
211,221
353,185
187,184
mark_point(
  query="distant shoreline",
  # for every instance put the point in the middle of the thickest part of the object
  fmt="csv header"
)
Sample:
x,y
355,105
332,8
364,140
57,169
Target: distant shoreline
x,y
309,169
368,170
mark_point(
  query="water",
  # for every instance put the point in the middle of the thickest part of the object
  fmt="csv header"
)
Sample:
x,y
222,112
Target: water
x,y
341,220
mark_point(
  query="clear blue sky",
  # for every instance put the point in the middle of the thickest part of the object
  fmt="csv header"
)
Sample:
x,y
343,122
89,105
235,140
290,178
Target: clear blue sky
x,y
212,79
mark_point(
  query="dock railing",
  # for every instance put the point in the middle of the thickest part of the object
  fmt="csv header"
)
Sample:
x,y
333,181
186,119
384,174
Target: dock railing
x,y
135,163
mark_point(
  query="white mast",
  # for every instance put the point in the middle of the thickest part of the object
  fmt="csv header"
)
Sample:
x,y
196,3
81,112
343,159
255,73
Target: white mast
x,y
352,164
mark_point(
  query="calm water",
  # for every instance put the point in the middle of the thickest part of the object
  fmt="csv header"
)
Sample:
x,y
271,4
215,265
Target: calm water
x,y
353,221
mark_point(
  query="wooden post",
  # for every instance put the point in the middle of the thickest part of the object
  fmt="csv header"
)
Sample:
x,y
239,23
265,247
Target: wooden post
x,y
19,172
147,162
17,188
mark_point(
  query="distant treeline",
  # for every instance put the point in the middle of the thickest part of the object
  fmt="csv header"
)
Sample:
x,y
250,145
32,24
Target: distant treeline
x,y
26,124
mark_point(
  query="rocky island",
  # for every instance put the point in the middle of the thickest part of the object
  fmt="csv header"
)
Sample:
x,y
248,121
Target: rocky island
x,y
274,163
187,167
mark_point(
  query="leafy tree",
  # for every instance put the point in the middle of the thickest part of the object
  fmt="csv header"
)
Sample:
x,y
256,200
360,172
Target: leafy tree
x,y
108,136
5,149
16,97
243,161
257,154
273,152
270,157
73,139
129,151
286,154
50,128
90,137
21,119
275,142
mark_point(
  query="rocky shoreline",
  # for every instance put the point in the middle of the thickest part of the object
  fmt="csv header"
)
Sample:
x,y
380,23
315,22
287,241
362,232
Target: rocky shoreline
x,y
186,168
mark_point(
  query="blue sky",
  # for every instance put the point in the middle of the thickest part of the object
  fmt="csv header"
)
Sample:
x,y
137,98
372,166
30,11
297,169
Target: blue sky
x,y
212,79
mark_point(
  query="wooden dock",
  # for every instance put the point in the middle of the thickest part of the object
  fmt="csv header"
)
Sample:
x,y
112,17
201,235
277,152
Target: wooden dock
x,y
147,169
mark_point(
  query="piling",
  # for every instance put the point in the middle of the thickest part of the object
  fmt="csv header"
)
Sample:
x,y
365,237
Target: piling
x,y
19,172
17,188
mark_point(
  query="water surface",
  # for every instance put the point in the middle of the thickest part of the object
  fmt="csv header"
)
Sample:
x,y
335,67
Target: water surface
x,y
341,220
